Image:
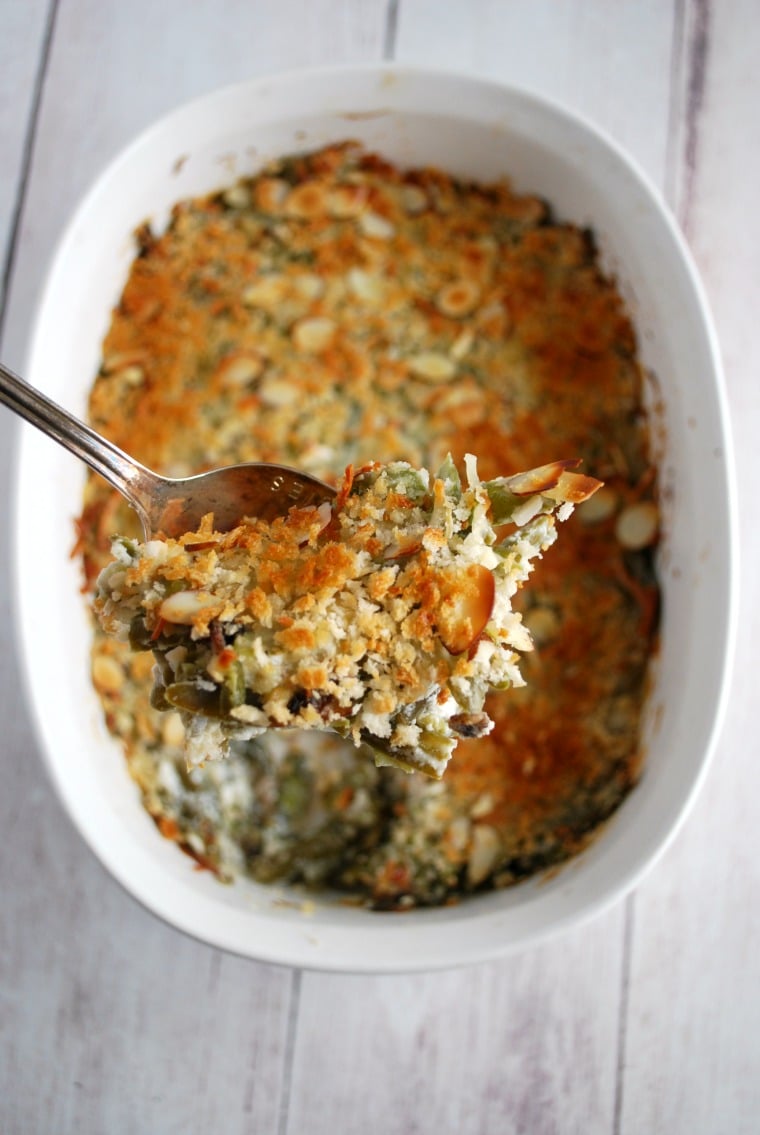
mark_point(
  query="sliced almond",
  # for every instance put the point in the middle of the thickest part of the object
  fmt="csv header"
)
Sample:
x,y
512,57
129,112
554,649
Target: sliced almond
x,y
466,602
306,200
267,292
637,525
485,851
184,606
599,507
526,510
462,344
554,481
539,480
238,369
432,366
309,286
131,376
573,488
458,834
366,286
277,392
237,197
373,225
107,674
314,335
249,715
404,546
482,806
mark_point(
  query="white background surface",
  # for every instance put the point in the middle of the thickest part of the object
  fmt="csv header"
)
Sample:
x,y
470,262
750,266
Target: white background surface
x,y
646,1020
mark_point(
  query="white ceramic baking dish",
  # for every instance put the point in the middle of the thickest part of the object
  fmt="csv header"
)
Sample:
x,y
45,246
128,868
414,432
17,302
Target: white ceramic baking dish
x,y
468,127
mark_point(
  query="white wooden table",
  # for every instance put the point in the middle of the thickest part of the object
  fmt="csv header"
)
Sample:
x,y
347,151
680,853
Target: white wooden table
x,y
646,1020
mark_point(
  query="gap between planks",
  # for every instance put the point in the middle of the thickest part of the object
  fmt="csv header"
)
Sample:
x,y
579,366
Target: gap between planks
x,y
391,30
289,1055
26,161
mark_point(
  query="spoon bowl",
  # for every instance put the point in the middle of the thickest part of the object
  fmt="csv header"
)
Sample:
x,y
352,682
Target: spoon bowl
x,y
165,504
254,490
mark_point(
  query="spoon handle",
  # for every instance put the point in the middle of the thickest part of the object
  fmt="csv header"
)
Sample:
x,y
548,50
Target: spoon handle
x,y
121,471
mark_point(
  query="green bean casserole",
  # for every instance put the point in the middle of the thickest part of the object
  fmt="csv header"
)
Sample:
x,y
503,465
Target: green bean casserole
x,y
335,311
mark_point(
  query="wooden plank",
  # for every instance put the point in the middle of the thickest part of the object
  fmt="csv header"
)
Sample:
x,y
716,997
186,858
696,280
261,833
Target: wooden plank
x,y
22,58
110,1021
530,1044
609,62
23,40
525,1045
113,1022
693,1056
22,36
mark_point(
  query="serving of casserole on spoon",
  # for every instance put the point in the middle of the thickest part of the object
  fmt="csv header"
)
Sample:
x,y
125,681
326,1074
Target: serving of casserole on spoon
x,y
383,615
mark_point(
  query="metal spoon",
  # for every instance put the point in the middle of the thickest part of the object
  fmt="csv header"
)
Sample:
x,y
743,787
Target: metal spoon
x,y
173,505
166,504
